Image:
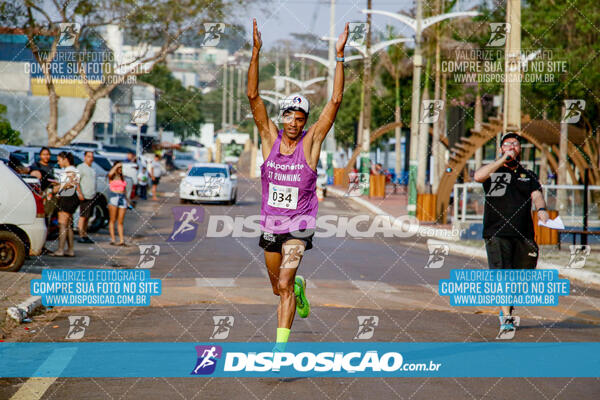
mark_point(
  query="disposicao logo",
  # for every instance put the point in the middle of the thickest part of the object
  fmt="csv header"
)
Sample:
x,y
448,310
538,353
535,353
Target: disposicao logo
x,y
313,362
207,359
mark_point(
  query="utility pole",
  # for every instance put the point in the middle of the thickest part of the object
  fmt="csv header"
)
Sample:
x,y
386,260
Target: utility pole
x,y
414,115
238,110
224,98
232,70
423,138
366,131
330,146
477,126
435,142
512,56
287,72
562,162
397,118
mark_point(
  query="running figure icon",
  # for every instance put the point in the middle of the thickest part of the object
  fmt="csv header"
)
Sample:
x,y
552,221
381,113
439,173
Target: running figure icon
x,y
188,221
207,359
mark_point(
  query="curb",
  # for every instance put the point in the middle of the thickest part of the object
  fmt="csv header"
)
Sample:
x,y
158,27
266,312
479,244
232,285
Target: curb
x,y
423,231
587,277
24,310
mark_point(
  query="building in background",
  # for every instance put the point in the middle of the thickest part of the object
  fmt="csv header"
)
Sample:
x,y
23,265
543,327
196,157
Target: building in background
x,y
23,91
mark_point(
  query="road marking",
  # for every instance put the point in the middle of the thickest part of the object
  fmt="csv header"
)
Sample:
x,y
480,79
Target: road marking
x,y
34,388
215,282
373,286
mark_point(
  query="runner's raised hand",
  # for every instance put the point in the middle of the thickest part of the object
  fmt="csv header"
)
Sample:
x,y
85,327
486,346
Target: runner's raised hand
x,y
341,42
256,35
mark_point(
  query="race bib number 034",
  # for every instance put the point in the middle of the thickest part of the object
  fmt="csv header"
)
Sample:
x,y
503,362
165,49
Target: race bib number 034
x,y
283,196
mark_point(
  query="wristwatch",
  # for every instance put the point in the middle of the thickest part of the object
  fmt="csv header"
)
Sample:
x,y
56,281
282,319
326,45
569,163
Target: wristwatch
x,y
340,59
542,209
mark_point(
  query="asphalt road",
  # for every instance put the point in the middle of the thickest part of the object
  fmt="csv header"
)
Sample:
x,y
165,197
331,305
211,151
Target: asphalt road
x,y
347,277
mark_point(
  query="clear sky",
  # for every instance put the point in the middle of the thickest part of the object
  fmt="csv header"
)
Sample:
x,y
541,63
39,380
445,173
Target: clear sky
x,y
278,18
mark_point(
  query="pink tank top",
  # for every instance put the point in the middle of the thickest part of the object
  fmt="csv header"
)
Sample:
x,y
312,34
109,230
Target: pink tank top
x,y
289,197
117,185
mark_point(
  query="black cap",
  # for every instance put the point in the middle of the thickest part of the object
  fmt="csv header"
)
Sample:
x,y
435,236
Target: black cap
x,y
509,135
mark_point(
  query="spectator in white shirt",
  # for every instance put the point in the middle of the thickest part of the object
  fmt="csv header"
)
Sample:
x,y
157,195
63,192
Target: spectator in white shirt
x,y
87,183
142,179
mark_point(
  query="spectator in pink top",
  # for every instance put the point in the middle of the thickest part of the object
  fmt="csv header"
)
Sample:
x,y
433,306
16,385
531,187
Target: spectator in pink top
x,y
117,204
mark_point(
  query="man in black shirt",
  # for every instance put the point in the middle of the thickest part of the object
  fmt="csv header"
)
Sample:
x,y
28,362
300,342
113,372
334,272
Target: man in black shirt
x,y
42,169
507,223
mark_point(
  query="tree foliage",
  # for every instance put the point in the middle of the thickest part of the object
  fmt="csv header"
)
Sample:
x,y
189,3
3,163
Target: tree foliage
x,y
178,109
8,135
157,26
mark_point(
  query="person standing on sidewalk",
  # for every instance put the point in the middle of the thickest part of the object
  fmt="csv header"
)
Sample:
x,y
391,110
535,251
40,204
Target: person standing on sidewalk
x,y
117,204
142,179
44,171
68,193
87,181
507,223
156,171
288,175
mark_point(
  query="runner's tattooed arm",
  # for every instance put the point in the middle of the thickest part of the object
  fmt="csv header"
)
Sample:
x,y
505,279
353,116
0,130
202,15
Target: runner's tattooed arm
x,y
266,127
316,134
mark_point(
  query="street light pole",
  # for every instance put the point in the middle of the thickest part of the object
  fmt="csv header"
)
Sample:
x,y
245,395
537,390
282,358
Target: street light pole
x,y
366,54
366,114
330,138
414,115
418,25
224,98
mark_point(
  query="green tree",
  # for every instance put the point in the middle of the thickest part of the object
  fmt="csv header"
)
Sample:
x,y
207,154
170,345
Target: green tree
x,y
8,135
563,31
162,24
178,109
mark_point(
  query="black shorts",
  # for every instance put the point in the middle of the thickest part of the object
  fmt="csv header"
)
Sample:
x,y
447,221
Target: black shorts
x,y
155,181
86,207
67,204
273,241
511,253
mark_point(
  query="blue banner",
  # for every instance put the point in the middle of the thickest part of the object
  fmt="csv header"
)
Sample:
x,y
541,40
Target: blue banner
x,y
367,359
504,287
95,287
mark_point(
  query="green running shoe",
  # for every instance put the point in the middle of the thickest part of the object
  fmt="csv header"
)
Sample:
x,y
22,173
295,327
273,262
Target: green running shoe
x,y
302,305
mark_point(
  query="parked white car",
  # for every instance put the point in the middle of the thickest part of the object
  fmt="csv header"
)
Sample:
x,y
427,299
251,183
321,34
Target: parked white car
x,y
22,223
208,182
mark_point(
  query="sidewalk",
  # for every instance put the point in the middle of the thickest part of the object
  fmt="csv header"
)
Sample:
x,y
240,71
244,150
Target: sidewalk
x,y
15,286
394,205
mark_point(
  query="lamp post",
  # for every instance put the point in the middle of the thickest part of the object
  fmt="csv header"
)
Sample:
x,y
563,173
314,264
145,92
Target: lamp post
x,y
418,25
367,54
303,85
